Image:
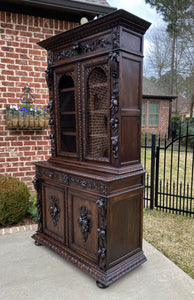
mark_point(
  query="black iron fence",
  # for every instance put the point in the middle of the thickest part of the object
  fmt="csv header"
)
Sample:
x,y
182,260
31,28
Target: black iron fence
x,y
169,166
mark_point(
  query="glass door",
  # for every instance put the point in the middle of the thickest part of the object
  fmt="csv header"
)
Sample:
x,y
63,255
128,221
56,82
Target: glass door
x,y
67,114
97,115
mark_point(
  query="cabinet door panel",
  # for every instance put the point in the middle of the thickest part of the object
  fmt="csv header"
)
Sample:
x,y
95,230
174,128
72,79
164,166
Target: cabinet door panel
x,y
125,226
83,220
54,212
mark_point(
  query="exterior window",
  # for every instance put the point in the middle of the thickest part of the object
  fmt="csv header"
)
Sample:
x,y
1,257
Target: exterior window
x,y
153,113
143,115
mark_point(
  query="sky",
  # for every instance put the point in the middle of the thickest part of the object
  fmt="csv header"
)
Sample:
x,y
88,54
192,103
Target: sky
x,y
144,11
138,8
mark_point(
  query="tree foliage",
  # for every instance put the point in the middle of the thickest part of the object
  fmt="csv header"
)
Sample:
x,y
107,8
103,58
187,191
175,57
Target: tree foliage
x,y
177,13
179,17
176,45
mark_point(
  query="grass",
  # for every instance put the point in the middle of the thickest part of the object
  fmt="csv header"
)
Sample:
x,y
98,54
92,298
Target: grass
x,y
173,236
184,168
176,180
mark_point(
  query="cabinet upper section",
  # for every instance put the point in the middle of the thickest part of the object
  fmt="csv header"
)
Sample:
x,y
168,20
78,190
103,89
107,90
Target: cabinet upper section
x,y
94,77
118,30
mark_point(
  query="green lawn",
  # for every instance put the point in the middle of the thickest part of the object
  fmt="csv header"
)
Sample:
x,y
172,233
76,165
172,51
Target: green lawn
x,y
184,168
173,236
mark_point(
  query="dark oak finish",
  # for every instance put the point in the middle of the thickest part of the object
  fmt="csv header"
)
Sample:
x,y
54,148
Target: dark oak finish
x,y
90,192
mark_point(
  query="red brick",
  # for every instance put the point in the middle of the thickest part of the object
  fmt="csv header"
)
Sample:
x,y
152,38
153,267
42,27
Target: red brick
x,y
3,16
26,158
11,170
21,27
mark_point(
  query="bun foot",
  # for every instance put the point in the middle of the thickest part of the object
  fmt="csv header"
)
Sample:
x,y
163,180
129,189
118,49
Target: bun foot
x,y
37,243
100,285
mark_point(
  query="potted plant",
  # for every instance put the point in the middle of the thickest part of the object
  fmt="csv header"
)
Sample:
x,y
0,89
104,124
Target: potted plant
x,y
25,116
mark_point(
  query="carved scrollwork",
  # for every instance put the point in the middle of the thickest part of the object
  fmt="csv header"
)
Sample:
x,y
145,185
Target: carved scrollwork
x,y
115,37
98,43
81,47
114,104
49,57
54,210
84,222
102,206
49,78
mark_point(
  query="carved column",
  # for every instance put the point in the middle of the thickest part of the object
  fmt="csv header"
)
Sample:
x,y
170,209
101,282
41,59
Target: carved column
x,y
102,207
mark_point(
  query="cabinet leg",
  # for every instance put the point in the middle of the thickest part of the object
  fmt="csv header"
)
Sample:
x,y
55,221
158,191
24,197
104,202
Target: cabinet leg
x,y
101,285
37,243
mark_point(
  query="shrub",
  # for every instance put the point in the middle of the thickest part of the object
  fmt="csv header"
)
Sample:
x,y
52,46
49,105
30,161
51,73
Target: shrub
x,y
32,209
14,198
176,119
187,126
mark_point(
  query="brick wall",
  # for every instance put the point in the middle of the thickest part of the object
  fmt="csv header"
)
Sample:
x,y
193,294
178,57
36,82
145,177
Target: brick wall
x,y
163,118
22,61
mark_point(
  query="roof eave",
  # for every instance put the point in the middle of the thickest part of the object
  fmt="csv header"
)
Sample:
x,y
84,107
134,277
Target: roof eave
x,y
56,9
170,97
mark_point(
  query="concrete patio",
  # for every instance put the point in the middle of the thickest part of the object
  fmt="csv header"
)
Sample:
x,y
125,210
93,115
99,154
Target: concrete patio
x,y
31,272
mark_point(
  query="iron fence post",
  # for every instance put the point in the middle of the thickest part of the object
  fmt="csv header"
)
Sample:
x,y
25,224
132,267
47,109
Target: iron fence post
x,y
152,170
157,175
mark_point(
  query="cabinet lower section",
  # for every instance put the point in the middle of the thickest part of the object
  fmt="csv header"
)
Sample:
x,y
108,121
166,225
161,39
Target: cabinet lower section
x,y
105,278
94,223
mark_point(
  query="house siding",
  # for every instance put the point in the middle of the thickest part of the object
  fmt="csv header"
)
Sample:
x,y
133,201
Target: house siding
x,y
22,61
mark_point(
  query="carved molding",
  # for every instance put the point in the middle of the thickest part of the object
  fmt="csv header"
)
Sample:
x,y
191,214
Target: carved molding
x,y
54,209
49,79
102,207
114,104
99,186
116,37
79,108
82,263
82,47
49,57
84,222
62,177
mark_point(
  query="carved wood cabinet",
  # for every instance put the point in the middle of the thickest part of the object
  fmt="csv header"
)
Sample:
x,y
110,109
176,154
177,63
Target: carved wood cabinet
x,y
90,192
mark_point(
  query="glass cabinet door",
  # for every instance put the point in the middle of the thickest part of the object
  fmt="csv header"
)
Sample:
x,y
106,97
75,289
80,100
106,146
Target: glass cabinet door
x,y
67,114
97,115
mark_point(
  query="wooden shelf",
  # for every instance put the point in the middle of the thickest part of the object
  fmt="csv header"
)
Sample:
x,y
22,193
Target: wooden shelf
x,y
67,90
69,133
68,113
100,84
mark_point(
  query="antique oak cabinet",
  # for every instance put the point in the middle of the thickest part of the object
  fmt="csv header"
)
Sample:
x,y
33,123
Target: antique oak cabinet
x,y
89,193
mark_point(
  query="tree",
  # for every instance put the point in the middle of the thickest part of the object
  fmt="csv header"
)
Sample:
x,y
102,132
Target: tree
x,y
178,15
159,50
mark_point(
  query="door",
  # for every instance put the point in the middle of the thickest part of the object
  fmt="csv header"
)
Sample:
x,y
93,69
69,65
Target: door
x,y
83,223
54,211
